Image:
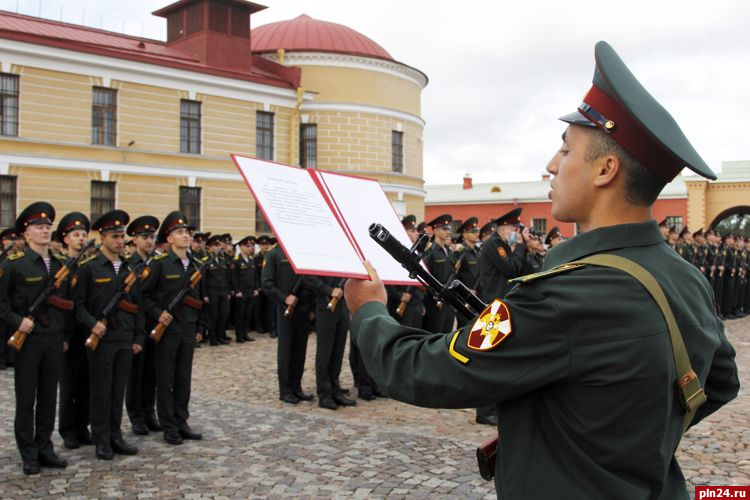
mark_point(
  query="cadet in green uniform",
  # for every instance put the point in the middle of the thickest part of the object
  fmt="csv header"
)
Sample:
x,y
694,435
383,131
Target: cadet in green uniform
x,y
553,238
244,281
98,280
265,317
140,395
406,303
8,237
535,253
75,395
467,259
216,288
580,358
168,274
23,277
503,256
700,259
438,259
281,284
331,328
198,245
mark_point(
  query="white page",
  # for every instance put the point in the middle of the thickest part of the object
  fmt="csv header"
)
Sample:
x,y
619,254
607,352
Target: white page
x,y
362,202
300,217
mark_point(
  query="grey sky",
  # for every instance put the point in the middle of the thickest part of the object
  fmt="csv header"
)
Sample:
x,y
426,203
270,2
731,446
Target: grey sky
x,y
501,72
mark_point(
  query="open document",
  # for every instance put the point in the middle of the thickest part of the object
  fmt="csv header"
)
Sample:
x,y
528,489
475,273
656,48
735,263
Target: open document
x,y
322,218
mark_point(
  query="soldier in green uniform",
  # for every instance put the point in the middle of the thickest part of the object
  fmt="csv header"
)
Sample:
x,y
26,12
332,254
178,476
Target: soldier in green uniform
x,y
75,395
264,314
23,277
554,238
741,278
503,256
98,280
217,292
438,259
535,253
198,245
579,358
331,328
700,257
140,396
8,237
168,274
467,258
293,292
406,303
244,282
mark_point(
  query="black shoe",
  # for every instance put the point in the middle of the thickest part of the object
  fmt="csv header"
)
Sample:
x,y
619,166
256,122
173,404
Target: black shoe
x,y
366,395
240,340
198,345
50,459
342,400
31,467
273,335
120,447
213,342
140,429
153,423
328,403
487,420
223,341
187,433
84,437
173,437
249,338
71,442
377,392
344,391
290,398
104,452
303,396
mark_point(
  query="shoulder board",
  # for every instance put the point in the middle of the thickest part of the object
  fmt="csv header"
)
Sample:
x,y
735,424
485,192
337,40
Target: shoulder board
x,y
86,259
159,257
546,274
203,259
62,258
16,256
236,257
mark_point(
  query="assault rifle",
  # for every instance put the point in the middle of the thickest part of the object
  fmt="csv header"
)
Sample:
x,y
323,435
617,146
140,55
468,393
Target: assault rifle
x,y
7,249
290,308
117,301
182,297
335,300
456,294
46,297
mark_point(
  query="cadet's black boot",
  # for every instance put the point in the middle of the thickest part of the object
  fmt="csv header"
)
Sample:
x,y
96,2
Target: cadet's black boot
x,y
152,422
49,458
31,467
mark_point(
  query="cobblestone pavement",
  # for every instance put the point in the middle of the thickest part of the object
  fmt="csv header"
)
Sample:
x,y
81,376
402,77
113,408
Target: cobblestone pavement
x,y
255,446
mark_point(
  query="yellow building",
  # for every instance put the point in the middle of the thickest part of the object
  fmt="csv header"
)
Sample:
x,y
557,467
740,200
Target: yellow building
x,y
93,120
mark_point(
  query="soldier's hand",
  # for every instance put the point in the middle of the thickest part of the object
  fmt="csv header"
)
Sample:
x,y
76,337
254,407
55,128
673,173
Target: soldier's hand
x,y
256,293
165,318
99,329
198,337
337,293
359,292
238,295
26,325
405,297
137,348
290,300
66,346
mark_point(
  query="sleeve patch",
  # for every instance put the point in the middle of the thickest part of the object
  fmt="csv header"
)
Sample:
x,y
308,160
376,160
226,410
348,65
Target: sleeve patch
x,y
502,252
491,328
452,349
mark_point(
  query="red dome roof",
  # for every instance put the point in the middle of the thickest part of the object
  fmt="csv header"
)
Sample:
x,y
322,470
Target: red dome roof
x,y
305,34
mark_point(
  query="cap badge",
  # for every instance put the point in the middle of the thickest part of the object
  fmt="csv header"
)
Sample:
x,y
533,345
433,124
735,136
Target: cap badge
x,y
609,125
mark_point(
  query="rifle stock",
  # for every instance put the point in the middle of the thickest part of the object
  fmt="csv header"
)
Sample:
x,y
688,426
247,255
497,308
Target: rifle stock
x,y
115,301
181,297
335,300
290,307
486,457
18,338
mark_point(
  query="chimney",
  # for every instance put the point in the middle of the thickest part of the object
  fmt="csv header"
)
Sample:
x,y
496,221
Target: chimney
x,y
215,32
467,181
545,177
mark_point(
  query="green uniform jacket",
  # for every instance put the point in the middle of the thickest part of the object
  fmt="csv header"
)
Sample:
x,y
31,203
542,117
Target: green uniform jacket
x,y
497,265
278,279
585,381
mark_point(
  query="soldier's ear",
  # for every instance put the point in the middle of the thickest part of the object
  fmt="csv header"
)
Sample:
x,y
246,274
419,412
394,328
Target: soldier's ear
x,y
607,169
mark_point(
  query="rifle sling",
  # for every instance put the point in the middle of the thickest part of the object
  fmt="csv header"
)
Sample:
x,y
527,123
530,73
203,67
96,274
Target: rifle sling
x,y
691,392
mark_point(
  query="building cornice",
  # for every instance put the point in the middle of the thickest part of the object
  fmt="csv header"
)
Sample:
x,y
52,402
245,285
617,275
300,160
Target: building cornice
x,y
361,108
392,68
111,68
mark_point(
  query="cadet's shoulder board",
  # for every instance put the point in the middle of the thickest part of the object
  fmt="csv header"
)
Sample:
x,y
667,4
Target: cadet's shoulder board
x,y
204,258
61,258
546,274
16,256
236,257
160,256
86,260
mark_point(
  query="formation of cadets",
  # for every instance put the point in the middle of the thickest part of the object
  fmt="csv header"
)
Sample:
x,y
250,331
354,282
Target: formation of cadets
x,y
116,325
723,260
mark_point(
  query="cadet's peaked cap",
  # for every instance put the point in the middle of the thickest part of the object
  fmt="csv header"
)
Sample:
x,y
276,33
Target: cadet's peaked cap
x,y
512,217
39,212
199,237
619,105
663,223
409,222
272,240
263,239
486,229
114,220
8,234
174,220
217,238
684,231
246,240
145,224
72,222
441,220
226,238
699,232
421,227
553,233
469,225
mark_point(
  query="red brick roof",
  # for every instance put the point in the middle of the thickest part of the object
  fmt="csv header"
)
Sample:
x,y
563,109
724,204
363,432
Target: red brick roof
x,y
105,43
305,34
